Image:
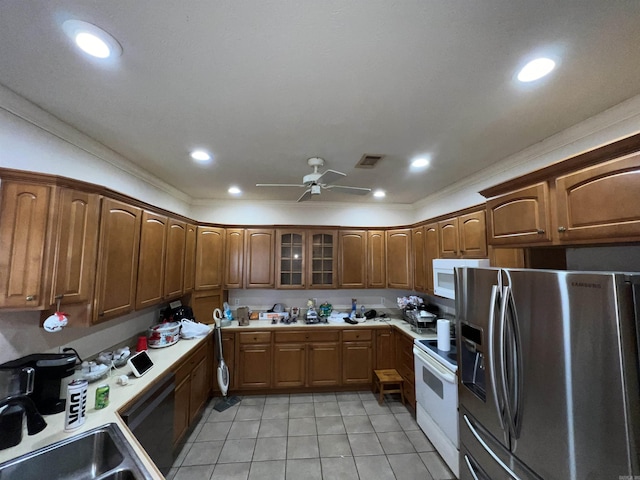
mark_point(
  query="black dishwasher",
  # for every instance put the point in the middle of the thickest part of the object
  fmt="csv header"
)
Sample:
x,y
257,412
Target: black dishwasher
x,y
150,419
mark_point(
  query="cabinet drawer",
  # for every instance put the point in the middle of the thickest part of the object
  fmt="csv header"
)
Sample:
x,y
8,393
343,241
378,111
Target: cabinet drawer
x,y
353,335
309,336
184,369
255,337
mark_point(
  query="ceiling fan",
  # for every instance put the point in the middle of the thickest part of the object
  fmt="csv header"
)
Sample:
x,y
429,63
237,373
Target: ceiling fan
x,y
316,182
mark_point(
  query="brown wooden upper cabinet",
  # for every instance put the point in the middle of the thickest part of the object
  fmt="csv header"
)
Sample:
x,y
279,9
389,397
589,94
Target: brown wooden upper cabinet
x,y
24,218
419,259
376,259
448,238
520,217
76,247
322,255
209,258
117,270
463,236
600,202
175,259
234,258
430,252
259,258
399,264
473,235
352,259
190,258
290,259
151,260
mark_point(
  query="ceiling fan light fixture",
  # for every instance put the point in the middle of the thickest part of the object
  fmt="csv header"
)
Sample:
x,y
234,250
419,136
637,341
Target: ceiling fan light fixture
x,y
233,190
379,194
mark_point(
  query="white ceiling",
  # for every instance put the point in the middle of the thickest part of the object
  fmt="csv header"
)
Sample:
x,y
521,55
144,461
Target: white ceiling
x,y
265,84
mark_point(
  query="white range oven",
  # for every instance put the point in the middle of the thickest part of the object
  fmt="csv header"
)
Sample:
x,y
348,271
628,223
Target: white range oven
x,y
437,398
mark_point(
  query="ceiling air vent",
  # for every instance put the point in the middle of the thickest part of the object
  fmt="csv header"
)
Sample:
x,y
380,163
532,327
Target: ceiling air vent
x,y
369,160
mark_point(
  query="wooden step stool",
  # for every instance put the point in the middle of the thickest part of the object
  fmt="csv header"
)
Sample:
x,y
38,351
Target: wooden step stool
x,y
388,377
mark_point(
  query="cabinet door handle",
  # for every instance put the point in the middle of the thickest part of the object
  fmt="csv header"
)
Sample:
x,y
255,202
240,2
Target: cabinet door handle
x,y
540,232
31,298
562,229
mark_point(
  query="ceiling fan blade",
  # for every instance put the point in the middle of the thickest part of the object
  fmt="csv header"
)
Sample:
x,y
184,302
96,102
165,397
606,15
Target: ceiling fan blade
x,y
279,185
305,196
349,190
330,176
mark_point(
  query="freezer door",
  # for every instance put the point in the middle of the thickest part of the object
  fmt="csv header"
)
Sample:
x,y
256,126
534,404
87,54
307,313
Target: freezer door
x,y
477,307
571,411
482,457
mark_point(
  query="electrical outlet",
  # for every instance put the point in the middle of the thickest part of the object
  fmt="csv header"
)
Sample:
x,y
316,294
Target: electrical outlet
x,y
381,300
236,301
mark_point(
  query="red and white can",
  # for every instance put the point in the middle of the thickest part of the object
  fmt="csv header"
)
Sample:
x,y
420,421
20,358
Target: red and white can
x,y
76,408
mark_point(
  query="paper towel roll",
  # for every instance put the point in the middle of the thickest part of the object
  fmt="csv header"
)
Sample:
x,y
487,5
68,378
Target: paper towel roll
x,y
444,335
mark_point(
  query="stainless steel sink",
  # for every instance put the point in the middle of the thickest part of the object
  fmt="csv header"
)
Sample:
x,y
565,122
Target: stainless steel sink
x,y
102,453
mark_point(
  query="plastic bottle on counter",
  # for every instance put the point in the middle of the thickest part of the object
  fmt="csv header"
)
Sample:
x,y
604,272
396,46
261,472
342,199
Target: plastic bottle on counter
x,y
361,311
227,311
353,308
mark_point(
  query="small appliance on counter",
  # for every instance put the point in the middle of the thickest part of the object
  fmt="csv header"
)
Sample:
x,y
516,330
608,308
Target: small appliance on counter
x,y
49,370
163,334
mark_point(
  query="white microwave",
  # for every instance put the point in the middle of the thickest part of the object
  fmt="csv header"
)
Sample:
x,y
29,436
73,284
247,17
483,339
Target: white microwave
x,y
444,283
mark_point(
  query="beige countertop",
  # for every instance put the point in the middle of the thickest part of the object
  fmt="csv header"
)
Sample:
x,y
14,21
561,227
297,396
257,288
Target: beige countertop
x,y
119,396
374,323
163,359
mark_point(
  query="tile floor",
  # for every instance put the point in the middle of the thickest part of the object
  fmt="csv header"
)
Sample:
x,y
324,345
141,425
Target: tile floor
x,y
314,436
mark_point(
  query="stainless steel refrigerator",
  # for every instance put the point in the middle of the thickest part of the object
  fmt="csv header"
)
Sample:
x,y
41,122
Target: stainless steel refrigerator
x,y
549,374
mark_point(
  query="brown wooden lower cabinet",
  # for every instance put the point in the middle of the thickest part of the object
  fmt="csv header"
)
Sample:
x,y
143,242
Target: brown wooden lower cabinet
x,y
357,363
289,362
385,349
405,366
193,388
317,358
324,364
254,366
357,357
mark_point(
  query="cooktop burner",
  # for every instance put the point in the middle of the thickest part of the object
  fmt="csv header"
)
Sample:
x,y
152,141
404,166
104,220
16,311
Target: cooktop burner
x,y
449,358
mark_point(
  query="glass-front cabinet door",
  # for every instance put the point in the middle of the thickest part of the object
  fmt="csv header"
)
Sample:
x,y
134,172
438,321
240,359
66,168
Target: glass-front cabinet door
x,y
291,259
322,252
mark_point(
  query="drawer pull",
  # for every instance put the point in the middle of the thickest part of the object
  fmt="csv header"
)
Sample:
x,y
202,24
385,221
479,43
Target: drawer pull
x,y
540,232
31,298
562,229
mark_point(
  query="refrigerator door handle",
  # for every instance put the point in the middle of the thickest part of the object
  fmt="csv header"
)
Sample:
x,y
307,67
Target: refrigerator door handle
x,y
516,344
510,355
497,396
484,445
472,470
504,358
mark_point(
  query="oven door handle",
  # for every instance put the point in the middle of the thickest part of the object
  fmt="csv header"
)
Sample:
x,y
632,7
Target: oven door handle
x,y
434,367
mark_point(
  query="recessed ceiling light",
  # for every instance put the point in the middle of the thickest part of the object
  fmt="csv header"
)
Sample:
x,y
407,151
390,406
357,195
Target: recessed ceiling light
x,y
536,69
420,162
200,156
91,39
379,194
234,191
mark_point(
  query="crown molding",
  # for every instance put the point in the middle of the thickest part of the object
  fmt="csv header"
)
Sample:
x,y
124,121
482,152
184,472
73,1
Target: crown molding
x,y
33,114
